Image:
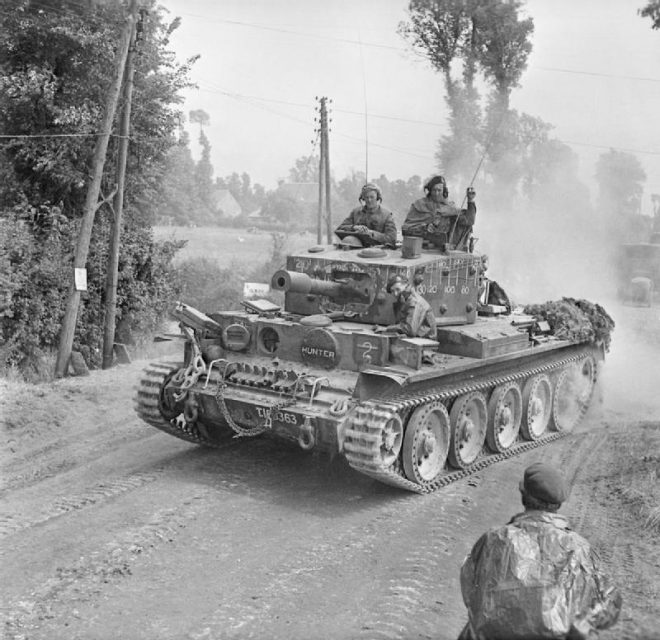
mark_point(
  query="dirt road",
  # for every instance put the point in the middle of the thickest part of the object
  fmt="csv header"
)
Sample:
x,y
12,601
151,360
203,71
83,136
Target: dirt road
x,y
111,529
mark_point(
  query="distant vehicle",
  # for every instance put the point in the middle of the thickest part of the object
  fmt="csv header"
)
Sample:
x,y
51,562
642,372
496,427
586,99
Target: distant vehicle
x,y
639,272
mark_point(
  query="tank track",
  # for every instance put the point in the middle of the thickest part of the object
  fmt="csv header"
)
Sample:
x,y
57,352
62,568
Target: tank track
x,y
147,403
363,434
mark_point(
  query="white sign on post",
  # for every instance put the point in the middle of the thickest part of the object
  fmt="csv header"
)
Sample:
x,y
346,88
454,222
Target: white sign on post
x,y
80,279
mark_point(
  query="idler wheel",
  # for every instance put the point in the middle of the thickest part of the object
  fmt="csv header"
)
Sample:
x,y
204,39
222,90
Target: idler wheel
x,y
537,407
573,391
426,443
467,417
587,379
504,416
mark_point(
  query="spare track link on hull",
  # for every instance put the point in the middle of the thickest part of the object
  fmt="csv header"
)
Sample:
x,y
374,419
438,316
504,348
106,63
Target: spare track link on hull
x,y
373,415
147,401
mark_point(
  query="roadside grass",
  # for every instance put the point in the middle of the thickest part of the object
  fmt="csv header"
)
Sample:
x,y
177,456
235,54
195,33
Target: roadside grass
x,y
227,245
639,468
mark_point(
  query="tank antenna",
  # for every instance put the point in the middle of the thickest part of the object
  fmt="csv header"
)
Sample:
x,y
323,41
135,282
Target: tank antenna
x,y
366,121
474,177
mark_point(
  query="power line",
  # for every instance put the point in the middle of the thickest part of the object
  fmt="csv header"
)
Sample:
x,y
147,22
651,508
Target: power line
x,y
57,135
600,75
301,104
238,96
607,146
358,43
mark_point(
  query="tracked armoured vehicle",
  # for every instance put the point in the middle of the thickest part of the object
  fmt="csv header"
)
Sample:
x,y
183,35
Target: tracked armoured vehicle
x,y
416,413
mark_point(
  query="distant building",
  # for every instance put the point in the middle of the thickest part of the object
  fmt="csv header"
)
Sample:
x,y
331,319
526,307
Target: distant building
x,y
225,202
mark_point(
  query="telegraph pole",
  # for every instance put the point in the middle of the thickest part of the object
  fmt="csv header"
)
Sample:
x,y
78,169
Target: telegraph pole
x,y
91,203
328,211
324,176
118,208
319,220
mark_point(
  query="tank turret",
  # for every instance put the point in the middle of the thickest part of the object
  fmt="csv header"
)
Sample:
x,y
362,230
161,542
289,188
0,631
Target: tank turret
x,y
329,279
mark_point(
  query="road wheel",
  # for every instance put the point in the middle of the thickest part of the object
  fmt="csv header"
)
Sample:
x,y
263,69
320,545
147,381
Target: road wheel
x,y
468,429
504,416
426,443
537,407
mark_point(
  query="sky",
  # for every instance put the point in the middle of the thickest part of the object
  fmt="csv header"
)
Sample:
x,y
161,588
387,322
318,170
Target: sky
x,y
594,74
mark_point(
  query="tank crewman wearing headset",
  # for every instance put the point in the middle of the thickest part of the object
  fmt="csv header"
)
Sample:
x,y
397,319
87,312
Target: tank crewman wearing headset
x,y
371,223
433,216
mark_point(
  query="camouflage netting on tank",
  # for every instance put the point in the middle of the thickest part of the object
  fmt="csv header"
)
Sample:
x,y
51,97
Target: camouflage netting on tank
x,y
576,320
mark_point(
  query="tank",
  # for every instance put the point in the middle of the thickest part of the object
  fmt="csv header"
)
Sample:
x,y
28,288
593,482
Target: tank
x,y
639,272
323,371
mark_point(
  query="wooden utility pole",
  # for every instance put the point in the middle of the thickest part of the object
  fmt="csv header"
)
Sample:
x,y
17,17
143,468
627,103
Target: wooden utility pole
x,y
324,177
319,220
328,211
91,201
115,238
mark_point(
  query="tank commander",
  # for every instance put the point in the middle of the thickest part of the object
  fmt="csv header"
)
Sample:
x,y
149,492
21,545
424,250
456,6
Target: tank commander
x,y
534,577
413,313
372,223
436,219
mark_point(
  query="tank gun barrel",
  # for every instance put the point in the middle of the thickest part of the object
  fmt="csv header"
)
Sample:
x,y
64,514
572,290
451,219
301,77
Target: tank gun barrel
x,y
295,282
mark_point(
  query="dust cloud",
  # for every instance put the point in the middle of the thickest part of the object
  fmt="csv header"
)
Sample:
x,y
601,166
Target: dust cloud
x,y
570,251
630,378
538,257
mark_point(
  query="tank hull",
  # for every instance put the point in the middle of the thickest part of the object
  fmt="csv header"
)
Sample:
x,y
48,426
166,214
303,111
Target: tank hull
x,y
350,411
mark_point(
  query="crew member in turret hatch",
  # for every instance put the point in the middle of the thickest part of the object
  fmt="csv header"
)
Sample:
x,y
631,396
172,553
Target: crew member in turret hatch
x,y
412,312
372,223
436,219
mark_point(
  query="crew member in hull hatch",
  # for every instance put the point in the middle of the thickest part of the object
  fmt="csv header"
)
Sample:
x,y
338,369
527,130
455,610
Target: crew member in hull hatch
x,y
436,219
372,223
413,313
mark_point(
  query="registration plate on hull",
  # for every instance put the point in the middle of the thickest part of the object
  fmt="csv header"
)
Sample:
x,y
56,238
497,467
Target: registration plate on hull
x,y
249,415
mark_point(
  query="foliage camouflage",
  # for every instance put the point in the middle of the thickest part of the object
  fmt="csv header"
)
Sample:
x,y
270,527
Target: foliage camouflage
x,y
578,320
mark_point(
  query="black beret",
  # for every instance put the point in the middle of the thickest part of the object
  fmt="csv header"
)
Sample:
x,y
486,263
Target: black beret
x,y
543,482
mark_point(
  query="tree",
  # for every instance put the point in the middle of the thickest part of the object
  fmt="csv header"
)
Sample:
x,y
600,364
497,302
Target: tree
x,y
620,177
200,117
305,169
461,39
652,10
56,61
179,197
204,182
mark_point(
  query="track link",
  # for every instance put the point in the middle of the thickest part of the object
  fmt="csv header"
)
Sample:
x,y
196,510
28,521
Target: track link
x,y
363,436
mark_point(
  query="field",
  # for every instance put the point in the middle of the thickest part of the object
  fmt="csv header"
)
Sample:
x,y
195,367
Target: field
x,y
230,246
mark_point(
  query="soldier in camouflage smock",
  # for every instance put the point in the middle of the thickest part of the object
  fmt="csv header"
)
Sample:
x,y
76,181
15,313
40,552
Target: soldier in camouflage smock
x,y
534,578
436,219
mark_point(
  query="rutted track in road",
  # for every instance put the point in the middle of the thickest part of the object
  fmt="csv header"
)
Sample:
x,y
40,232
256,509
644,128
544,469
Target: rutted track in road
x,y
86,575
11,523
